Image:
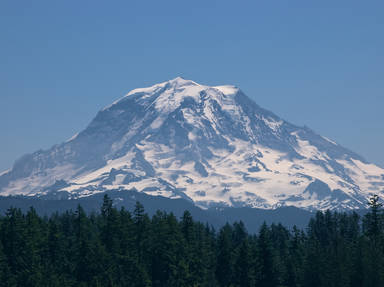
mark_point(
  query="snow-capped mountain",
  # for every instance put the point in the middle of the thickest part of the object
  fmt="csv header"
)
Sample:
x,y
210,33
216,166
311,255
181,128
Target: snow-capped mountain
x,y
211,145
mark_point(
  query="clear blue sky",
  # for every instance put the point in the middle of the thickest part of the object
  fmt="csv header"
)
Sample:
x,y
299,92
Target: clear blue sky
x,y
314,63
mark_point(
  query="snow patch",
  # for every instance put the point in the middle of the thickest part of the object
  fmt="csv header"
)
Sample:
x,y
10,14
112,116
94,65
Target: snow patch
x,y
5,172
328,140
272,124
227,90
309,151
72,138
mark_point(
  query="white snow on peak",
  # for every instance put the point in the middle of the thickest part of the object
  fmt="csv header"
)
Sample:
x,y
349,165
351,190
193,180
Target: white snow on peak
x,y
307,150
328,140
4,172
72,138
179,81
179,89
173,84
227,90
176,90
273,124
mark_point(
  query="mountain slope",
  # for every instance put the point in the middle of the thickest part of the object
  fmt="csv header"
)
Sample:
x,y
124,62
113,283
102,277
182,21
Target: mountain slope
x,y
211,145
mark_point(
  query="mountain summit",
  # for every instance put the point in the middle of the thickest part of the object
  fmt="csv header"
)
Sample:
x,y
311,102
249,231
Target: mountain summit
x,y
211,145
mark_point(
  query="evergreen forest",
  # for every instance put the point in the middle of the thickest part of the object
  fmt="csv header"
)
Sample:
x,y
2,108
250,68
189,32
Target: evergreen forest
x,y
129,248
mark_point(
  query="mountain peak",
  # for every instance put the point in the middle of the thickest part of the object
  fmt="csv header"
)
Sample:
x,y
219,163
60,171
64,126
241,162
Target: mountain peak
x,y
173,84
225,89
180,81
210,144
171,93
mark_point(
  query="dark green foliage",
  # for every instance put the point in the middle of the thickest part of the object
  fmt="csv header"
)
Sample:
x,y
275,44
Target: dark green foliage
x,y
224,265
119,248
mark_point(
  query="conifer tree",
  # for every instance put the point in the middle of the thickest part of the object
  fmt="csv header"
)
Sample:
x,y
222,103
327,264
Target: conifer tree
x,y
224,267
243,276
5,273
268,276
374,247
142,239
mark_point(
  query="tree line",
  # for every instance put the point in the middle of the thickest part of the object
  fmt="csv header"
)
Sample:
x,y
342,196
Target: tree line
x,y
123,248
